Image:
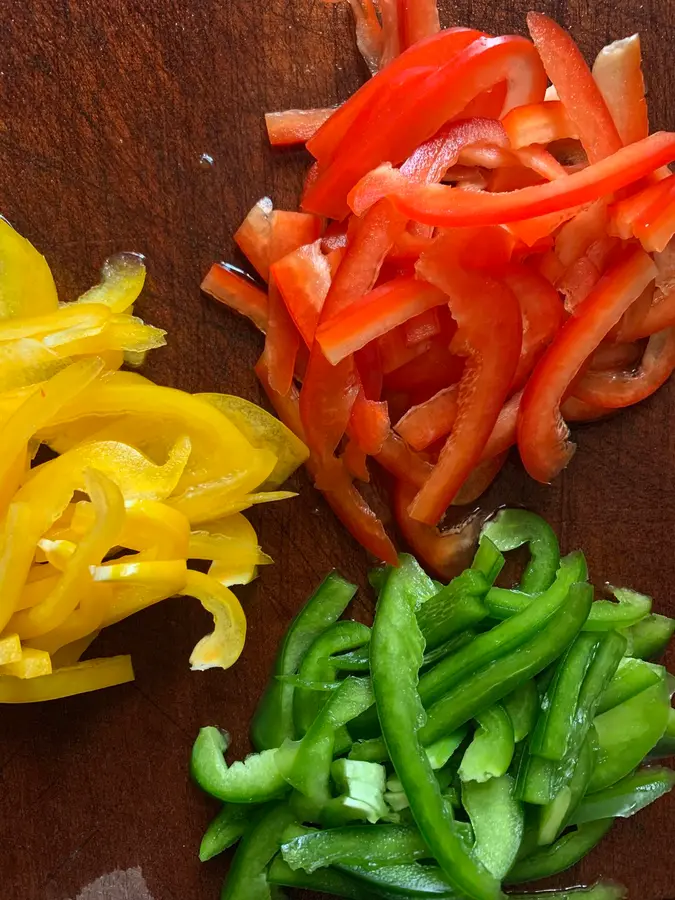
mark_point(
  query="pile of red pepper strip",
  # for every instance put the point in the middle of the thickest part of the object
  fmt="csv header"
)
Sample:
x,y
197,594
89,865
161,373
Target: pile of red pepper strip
x,y
483,253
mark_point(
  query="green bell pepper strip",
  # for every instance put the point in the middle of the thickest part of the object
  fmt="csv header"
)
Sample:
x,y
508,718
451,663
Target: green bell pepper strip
x,y
522,706
632,677
510,529
666,746
371,750
497,819
456,607
504,674
503,638
317,666
355,661
225,830
536,779
311,686
452,645
556,815
357,845
305,764
566,852
628,732
490,752
326,881
396,653
627,796
559,704
405,881
273,719
375,749
649,638
488,560
247,878
255,780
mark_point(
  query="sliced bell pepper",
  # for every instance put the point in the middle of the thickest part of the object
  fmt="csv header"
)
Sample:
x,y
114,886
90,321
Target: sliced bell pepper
x,y
422,327
447,553
614,389
91,675
122,280
236,290
617,71
542,438
538,123
497,819
225,830
295,126
491,749
432,52
387,306
572,78
303,278
424,424
562,855
441,205
396,655
418,105
369,424
510,529
419,19
492,359
27,285
248,873
254,235
627,796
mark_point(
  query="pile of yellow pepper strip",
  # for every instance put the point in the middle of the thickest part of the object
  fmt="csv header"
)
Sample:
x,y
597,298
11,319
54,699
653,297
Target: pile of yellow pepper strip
x,y
146,478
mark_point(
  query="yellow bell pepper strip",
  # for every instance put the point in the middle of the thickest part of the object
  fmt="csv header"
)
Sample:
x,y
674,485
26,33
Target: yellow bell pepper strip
x,y
232,544
27,362
57,553
82,622
222,648
34,414
122,280
71,653
139,585
91,675
220,451
217,499
90,317
120,332
32,664
71,588
16,555
263,430
10,649
27,287
37,586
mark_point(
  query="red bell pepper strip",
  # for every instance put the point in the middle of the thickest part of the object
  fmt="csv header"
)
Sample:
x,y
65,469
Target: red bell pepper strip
x,y
615,389
617,71
569,72
254,235
236,290
504,434
446,553
437,204
303,277
575,410
289,232
389,305
396,353
356,461
575,237
418,19
542,314
415,108
490,333
392,38
404,463
542,434
538,123
658,313
434,369
424,424
343,498
540,161
368,32
479,480
656,225
369,424
294,126
432,159
615,356
625,213
432,52
422,327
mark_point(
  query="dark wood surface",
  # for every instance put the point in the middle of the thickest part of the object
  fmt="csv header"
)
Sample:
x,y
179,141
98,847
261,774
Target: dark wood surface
x,y
105,110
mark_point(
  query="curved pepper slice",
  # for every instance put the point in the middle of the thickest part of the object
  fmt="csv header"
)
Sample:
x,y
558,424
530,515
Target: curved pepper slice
x,y
122,280
27,285
222,648
91,675
542,434
441,205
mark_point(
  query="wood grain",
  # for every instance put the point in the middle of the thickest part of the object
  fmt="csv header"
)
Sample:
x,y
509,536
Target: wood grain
x,y
105,111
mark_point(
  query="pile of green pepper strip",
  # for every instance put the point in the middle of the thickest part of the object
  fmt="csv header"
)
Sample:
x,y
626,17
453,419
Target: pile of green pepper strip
x,y
476,736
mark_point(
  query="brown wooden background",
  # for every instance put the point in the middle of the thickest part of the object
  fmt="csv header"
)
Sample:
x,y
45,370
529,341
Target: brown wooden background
x,y
106,107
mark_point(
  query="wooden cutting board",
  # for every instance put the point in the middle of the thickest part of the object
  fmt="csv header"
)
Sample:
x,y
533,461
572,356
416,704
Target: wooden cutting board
x,y
107,110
